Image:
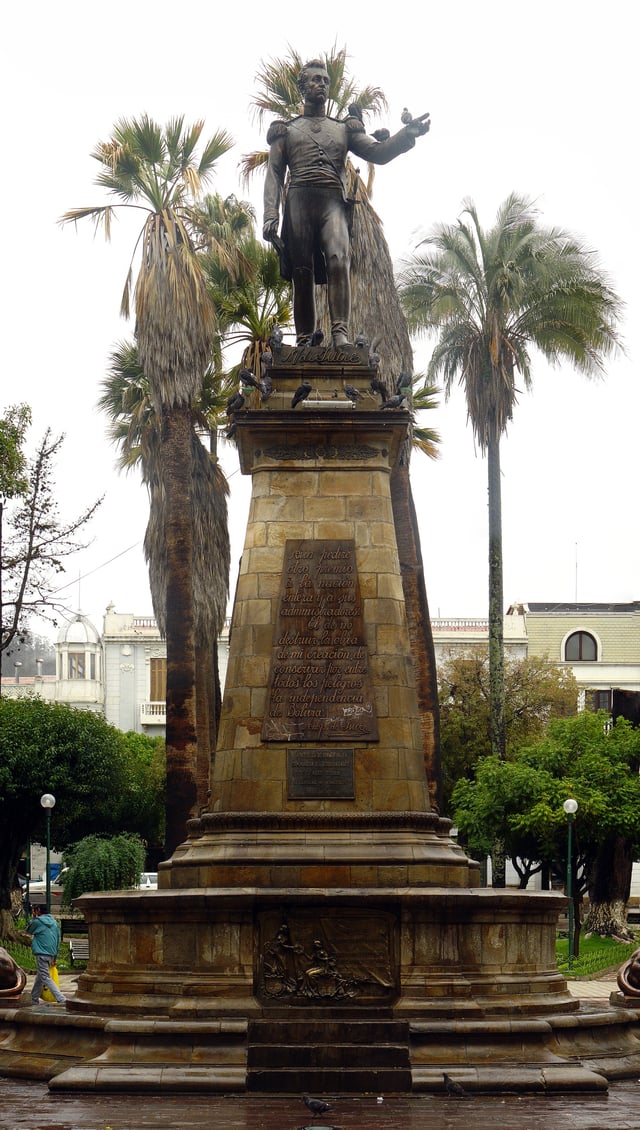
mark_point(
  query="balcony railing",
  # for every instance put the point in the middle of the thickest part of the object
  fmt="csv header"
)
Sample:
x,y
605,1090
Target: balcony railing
x,y
153,713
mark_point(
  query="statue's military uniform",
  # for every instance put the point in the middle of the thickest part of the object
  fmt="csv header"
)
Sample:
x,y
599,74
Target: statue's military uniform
x,y
315,227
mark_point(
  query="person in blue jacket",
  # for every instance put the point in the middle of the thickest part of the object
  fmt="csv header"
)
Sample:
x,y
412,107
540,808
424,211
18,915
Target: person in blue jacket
x,y
45,942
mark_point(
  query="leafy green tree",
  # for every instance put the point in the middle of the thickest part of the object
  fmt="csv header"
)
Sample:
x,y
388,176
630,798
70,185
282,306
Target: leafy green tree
x,y
35,543
13,461
73,754
141,805
536,690
491,296
159,170
586,757
98,863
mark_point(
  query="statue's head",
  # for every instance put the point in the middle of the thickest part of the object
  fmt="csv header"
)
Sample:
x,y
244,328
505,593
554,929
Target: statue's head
x,y
314,73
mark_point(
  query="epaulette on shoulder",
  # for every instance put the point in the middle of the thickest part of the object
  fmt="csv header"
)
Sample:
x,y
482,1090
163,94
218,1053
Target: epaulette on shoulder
x,y
276,129
354,125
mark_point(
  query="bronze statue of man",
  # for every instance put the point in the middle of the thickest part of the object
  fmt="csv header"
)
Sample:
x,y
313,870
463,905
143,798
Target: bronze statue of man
x,y
314,245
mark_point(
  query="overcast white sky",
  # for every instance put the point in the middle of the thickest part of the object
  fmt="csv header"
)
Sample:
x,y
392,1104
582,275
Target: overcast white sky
x,y
540,98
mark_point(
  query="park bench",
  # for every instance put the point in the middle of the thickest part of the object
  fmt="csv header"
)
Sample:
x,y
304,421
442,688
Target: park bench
x,y
74,931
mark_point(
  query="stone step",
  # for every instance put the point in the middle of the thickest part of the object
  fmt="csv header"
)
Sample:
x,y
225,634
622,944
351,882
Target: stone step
x,y
362,1080
326,1056
321,1031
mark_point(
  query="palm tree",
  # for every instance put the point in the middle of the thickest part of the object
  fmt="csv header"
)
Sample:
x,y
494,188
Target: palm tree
x,y
489,296
135,429
249,305
159,171
376,312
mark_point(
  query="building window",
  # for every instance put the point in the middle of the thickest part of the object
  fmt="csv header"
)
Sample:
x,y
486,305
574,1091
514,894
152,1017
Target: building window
x,y
601,700
76,664
157,680
580,648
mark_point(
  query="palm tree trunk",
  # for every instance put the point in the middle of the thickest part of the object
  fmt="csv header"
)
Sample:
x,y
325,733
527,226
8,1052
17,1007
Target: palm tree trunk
x,y
181,740
205,703
496,604
497,731
419,625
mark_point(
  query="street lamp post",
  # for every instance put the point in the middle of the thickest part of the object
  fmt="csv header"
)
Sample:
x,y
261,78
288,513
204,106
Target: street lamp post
x,y
47,800
570,807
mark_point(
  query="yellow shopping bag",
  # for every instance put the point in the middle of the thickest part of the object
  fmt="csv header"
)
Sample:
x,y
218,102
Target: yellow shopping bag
x,y
47,995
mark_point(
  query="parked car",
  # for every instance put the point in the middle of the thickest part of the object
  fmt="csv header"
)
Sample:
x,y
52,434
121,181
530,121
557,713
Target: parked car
x,y
148,881
38,891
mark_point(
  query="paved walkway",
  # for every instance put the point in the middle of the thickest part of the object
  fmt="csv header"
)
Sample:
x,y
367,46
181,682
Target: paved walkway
x,y
30,1106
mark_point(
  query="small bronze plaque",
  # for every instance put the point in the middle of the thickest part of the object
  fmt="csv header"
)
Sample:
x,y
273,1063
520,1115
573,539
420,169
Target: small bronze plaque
x,y
320,774
320,688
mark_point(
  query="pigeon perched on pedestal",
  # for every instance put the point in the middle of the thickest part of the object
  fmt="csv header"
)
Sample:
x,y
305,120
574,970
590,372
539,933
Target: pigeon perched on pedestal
x,y
301,393
247,380
404,382
353,393
235,403
275,338
393,402
316,1106
376,385
406,117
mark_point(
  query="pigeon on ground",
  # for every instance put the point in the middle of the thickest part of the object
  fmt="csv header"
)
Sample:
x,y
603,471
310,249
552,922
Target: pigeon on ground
x,y
354,111
301,393
316,1106
455,1090
381,134
235,403
352,393
393,402
406,117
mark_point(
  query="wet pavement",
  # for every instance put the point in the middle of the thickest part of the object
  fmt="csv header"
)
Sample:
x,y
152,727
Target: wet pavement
x,y
26,1105
30,1106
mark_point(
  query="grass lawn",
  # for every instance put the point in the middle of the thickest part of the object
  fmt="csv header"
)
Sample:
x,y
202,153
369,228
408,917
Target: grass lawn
x,y
597,955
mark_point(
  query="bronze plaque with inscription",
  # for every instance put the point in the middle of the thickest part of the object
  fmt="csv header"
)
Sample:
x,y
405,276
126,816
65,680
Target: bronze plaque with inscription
x,y
320,774
319,685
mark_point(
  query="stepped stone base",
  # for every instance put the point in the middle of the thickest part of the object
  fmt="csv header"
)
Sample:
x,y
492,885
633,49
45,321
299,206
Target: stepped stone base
x,y
576,1052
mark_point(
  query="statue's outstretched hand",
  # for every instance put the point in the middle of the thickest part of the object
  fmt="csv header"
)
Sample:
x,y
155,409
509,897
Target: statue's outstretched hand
x,y
418,126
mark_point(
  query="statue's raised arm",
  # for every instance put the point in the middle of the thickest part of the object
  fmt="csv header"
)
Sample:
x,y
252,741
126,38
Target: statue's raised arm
x,y
314,244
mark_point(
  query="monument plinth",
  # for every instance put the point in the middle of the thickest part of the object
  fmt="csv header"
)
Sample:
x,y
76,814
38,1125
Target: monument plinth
x,y
319,776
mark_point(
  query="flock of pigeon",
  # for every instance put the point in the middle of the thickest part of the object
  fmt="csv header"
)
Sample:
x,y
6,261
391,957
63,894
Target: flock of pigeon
x,y
263,384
